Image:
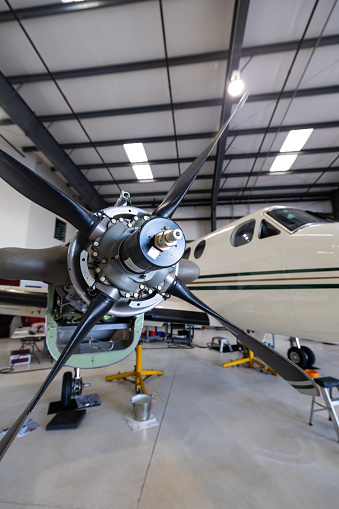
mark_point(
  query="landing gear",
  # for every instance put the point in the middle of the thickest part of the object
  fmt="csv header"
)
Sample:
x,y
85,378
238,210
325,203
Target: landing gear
x,y
301,355
71,386
66,390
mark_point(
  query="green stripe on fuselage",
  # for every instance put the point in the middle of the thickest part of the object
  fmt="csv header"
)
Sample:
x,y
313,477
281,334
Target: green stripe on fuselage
x,y
263,272
262,287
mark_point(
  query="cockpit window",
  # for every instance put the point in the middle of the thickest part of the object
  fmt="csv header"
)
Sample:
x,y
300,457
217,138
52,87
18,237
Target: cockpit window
x,y
293,219
267,230
243,234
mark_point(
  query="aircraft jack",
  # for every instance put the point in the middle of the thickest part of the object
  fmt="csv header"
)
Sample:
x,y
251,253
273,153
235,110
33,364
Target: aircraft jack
x,y
136,375
248,357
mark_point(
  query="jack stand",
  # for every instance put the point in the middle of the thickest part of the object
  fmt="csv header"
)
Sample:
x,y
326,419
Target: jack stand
x,y
137,374
251,361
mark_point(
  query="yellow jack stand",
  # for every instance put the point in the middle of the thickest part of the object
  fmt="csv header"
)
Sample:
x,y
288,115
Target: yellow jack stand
x,y
248,356
137,374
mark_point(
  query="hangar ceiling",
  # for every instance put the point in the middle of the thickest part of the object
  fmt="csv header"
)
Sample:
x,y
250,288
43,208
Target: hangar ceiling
x,y
81,79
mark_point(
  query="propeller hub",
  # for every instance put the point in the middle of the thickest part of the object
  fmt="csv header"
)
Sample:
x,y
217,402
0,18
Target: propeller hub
x,y
125,261
157,244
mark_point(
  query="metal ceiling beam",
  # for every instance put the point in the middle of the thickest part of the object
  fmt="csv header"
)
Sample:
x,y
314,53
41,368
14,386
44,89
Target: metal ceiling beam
x,y
25,118
149,139
156,108
226,157
62,8
234,175
286,187
192,136
264,199
206,103
212,56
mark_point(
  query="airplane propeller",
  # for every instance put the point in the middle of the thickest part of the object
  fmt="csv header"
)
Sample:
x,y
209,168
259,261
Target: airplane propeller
x,y
280,364
134,260
41,192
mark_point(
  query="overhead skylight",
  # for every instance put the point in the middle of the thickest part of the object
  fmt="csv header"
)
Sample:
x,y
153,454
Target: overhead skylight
x,y
294,142
136,154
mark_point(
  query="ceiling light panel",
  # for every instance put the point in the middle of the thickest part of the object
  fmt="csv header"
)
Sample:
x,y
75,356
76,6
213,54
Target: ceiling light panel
x,y
295,140
283,163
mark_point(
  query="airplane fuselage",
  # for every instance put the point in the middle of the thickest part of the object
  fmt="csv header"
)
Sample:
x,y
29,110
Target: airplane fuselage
x,y
267,277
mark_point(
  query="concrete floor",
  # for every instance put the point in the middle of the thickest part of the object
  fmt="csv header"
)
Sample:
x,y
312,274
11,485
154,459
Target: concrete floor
x,y
231,437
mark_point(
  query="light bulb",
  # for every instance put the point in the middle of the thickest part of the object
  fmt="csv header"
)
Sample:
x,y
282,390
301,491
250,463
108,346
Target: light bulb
x,y
236,85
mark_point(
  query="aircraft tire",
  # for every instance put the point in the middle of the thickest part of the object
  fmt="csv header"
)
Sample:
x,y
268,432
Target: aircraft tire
x,y
310,355
298,356
66,391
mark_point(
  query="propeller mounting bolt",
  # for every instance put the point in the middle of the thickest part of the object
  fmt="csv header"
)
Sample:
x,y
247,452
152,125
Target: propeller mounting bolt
x,y
102,279
95,253
113,221
141,287
98,270
159,288
146,218
150,291
96,243
104,260
135,218
135,295
129,225
127,295
116,257
121,219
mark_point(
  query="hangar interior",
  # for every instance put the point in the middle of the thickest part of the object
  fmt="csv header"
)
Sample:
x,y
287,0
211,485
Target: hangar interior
x,y
79,82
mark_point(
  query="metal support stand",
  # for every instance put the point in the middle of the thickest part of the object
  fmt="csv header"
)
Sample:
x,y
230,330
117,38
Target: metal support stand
x,y
248,356
136,375
326,385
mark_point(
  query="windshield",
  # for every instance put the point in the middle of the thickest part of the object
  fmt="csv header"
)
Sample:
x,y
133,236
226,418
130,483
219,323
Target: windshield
x,y
293,219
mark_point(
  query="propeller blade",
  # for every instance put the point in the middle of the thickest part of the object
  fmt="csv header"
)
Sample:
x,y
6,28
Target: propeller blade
x,y
41,192
48,265
294,375
99,307
180,187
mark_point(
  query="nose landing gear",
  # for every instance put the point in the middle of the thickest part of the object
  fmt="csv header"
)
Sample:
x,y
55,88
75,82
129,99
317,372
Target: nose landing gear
x,y
301,355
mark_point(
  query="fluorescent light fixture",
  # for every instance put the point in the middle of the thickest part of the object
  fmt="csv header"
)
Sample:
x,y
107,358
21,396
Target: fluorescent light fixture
x,y
136,154
283,163
143,171
69,1
294,142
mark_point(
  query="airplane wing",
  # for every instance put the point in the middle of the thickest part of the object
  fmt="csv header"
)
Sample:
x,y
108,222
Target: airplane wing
x,y
175,310
19,301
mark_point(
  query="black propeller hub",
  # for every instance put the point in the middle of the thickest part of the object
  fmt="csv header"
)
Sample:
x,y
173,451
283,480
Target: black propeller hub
x,y
159,243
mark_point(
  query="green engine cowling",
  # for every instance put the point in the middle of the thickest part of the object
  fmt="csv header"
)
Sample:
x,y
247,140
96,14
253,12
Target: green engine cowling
x,y
110,341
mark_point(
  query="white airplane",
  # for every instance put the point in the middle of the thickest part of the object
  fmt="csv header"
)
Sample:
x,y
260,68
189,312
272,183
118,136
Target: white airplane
x,y
275,270
122,263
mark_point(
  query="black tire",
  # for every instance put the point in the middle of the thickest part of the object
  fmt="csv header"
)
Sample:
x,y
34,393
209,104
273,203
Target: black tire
x,y
66,391
310,355
298,356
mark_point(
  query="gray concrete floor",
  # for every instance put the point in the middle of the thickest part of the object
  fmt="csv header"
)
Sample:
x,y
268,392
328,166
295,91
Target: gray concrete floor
x,y
227,437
